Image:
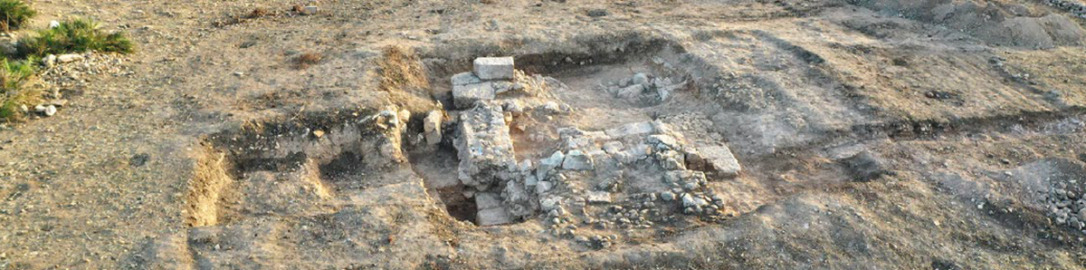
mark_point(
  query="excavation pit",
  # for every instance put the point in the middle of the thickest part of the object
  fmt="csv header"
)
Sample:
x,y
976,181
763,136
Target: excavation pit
x,y
604,142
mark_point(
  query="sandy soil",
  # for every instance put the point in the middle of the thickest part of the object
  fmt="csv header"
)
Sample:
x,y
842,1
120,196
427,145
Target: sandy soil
x,y
872,134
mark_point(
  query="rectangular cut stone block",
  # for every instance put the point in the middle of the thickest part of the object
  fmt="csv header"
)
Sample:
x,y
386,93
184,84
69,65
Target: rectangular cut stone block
x,y
490,210
431,127
464,96
720,161
484,147
494,68
493,216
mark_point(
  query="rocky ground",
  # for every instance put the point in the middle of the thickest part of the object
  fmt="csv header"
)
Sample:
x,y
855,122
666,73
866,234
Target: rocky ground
x,y
632,134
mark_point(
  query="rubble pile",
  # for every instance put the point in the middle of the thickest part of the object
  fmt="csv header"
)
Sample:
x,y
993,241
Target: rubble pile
x,y
641,89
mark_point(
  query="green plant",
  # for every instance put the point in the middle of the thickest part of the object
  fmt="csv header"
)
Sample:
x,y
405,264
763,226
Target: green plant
x,y
14,73
14,13
13,93
78,35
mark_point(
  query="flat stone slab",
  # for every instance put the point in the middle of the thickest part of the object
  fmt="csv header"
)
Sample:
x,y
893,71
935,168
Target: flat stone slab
x,y
639,128
465,96
720,160
494,68
487,200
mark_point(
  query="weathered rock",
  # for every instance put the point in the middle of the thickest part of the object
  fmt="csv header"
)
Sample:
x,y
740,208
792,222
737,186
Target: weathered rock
x,y
630,92
465,96
640,78
719,161
484,147
501,86
632,129
667,196
691,200
49,60
543,187
465,78
612,147
431,127
577,142
671,160
598,12
685,177
517,200
309,10
865,166
513,106
577,161
491,211
665,142
494,68
598,197
548,203
493,216
547,165
602,162
67,58
551,107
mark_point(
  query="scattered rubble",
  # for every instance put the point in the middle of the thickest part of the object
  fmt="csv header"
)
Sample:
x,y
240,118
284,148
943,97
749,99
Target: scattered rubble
x,y
641,89
586,170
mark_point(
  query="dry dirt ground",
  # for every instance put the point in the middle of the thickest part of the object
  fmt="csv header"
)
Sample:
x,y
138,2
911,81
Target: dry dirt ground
x,y
873,134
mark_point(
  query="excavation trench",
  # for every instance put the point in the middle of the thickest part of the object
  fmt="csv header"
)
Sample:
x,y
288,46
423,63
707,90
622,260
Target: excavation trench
x,y
329,155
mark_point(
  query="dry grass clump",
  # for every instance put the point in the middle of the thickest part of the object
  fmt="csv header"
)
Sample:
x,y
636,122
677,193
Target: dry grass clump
x,y
303,61
401,70
234,19
257,13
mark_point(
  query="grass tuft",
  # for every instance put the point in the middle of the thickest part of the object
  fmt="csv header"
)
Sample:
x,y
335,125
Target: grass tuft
x,y
73,36
13,91
13,14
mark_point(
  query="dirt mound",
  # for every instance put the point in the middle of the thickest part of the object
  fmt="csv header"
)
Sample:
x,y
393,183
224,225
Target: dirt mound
x,y
995,22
